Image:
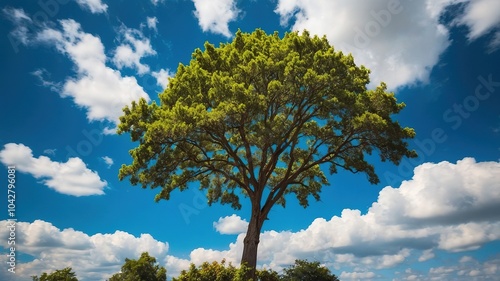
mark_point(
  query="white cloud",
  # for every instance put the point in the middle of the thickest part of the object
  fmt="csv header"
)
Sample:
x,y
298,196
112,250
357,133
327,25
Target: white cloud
x,y
40,74
231,225
465,259
426,255
16,15
152,22
71,178
215,15
487,270
387,35
94,257
175,265
384,35
134,47
495,42
109,131
94,6
49,151
108,161
356,275
162,77
21,20
444,193
100,90
156,2
482,17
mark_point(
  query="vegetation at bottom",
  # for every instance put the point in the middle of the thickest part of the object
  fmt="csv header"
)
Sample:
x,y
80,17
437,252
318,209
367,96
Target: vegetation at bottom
x,y
65,274
147,269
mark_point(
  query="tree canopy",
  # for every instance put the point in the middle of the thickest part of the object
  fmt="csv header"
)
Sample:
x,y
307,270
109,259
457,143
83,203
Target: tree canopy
x,y
304,270
65,274
212,272
143,269
262,117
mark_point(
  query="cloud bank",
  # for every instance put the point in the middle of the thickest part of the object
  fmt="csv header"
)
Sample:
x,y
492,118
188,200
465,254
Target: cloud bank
x,y
95,257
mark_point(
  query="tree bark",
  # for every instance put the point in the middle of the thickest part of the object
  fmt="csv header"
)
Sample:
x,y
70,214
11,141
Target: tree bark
x,y
251,241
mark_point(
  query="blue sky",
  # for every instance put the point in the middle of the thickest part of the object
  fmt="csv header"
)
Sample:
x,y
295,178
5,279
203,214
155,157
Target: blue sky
x,y
68,67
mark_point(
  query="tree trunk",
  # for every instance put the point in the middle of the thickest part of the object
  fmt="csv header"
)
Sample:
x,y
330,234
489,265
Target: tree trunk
x,y
251,242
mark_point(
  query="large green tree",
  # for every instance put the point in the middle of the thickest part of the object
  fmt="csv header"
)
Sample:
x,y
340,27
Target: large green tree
x,y
143,269
262,117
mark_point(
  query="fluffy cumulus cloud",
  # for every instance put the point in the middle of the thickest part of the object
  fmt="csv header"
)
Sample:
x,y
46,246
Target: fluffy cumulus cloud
x,y
400,41
231,225
448,206
94,257
99,89
71,177
162,76
384,35
134,47
214,16
94,6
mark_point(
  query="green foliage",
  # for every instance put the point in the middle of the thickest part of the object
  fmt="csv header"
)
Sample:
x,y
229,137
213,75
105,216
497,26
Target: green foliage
x,y
262,113
143,269
65,274
267,275
221,272
303,270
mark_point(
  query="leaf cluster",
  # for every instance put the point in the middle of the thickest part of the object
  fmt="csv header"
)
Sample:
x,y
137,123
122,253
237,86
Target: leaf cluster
x,y
143,269
65,274
302,270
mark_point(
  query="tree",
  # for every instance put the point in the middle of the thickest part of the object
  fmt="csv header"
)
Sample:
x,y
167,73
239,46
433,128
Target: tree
x,y
261,117
303,270
65,274
143,269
